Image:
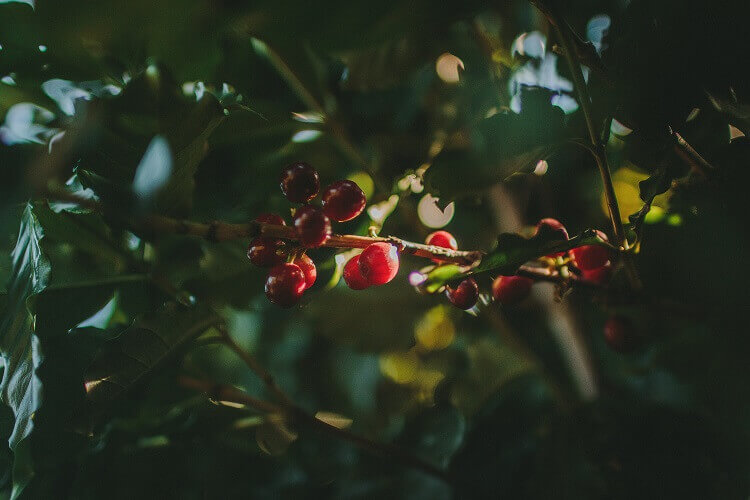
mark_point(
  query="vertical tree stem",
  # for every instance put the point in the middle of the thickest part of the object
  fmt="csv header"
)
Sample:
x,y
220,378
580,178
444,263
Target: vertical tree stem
x,y
600,155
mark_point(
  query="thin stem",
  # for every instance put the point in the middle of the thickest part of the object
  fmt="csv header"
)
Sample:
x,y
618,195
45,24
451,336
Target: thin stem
x,y
600,155
337,131
552,276
386,450
218,392
231,394
691,156
255,366
223,231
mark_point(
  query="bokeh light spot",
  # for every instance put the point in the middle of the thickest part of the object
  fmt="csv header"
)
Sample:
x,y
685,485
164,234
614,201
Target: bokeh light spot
x,y
435,330
541,168
619,129
306,136
400,367
364,181
447,67
431,215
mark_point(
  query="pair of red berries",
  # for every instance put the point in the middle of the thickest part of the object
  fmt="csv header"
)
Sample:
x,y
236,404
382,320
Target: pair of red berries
x,y
288,281
466,293
376,265
341,201
592,260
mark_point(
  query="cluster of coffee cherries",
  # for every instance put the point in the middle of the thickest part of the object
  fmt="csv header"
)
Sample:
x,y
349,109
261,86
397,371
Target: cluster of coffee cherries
x,y
507,290
592,261
292,271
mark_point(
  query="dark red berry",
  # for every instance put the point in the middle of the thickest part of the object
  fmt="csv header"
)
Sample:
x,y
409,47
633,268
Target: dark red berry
x,y
510,290
600,276
343,201
308,267
353,276
465,295
442,239
271,219
619,334
265,252
590,257
300,182
554,225
285,284
378,263
312,225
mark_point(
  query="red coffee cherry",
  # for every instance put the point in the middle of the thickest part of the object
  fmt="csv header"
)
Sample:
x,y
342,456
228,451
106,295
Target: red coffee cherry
x,y
378,263
600,276
308,268
300,182
619,334
510,290
554,225
353,276
465,295
285,284
271,219
312,225
590,257
343,201
265,252
442,239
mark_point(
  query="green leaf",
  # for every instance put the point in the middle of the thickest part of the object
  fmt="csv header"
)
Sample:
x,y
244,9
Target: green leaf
x,y
511,252
738,113
21,389
435,434
658,183
86,232
499,146
149,143
190,144
43,375
142,347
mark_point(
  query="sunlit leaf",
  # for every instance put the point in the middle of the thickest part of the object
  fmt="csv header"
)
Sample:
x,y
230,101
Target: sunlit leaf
x,y
334,419
154,170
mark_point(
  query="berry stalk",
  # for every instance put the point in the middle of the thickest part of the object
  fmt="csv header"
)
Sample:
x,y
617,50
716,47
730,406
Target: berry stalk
x,y
224,231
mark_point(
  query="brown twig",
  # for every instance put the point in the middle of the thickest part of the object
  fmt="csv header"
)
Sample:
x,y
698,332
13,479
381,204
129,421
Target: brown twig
x,y
585,51
254,366
223,231
217,231
218,392
587,55
231,394
600,155
685,151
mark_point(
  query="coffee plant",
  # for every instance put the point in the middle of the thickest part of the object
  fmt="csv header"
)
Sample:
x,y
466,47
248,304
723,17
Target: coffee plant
x,y
374,250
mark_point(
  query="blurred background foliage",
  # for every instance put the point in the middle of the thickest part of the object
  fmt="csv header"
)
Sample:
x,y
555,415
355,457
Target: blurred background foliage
x,y
458,115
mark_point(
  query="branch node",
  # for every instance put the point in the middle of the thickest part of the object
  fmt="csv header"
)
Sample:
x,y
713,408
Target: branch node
x,y
213,228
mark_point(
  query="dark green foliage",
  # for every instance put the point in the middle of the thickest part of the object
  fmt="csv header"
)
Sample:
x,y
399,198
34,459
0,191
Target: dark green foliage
x,y
190,108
